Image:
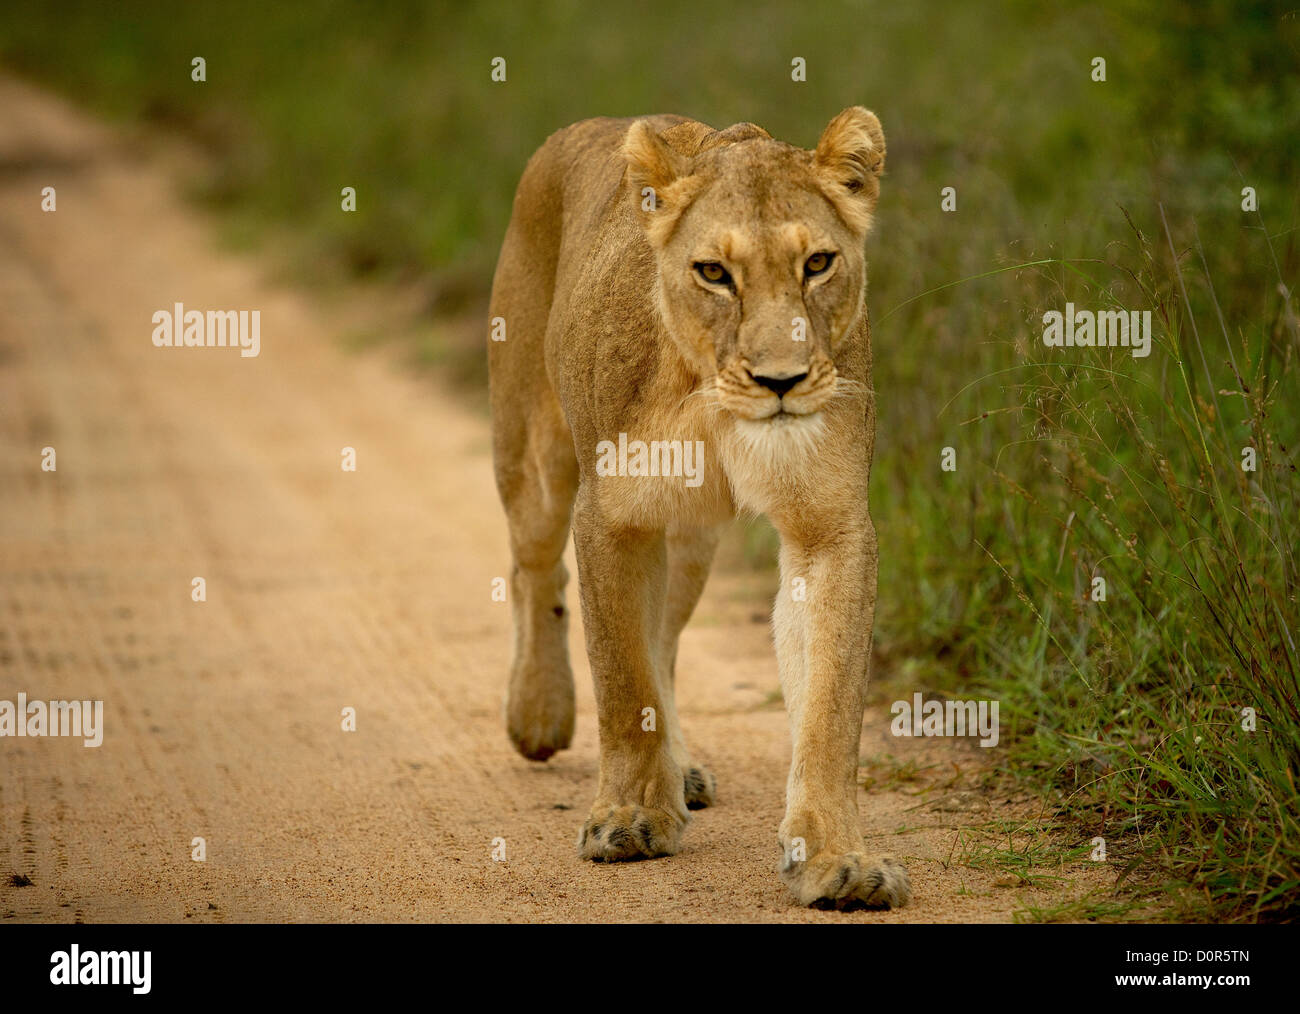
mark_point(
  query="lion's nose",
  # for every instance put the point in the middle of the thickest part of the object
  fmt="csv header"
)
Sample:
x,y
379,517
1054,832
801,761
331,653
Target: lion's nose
x,y
778,384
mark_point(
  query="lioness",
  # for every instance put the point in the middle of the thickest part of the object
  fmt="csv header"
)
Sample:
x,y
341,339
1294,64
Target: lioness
x,y
689,288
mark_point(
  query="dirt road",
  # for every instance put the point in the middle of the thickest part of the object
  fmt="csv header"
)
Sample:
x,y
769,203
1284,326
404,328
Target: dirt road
x,y
325,590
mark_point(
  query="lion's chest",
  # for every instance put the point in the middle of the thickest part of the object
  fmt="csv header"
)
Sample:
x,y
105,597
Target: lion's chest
x,y
654,480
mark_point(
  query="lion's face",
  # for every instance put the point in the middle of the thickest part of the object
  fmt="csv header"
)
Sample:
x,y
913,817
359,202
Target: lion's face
x,y
759,247
766,282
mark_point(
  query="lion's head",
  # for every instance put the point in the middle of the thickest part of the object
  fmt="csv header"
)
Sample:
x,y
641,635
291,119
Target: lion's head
x,y
759,247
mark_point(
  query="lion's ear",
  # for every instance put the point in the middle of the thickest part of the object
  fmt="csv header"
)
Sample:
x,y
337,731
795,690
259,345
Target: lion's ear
x,y
661,179
851,157
650,162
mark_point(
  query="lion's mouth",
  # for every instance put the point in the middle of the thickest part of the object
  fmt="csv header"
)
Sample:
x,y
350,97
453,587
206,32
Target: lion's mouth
x,y
784,417
776,418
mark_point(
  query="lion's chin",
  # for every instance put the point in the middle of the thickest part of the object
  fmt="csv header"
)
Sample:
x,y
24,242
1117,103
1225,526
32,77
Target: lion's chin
x,y
784,437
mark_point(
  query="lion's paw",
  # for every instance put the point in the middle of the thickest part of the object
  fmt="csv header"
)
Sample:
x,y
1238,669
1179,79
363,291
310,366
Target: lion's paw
x,y
847,881
539,719
701,787
616,833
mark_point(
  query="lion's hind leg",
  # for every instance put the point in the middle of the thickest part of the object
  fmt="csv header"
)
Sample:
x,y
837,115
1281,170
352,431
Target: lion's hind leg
x,y
690,554
537,477
538,494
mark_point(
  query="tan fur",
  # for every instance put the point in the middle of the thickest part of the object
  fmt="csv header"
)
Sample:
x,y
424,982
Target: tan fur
x,y
610,328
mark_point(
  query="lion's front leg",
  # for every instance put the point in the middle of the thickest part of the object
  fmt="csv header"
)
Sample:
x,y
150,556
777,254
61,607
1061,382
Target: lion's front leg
x,y
823,619
640,808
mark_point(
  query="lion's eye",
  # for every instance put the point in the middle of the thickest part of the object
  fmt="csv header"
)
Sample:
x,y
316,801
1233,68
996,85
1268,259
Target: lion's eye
x,y
713,273
817,264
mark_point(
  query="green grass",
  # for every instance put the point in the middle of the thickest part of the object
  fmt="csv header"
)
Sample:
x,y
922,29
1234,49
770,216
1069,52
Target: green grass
x,y
1071,463
1090,908
1025,862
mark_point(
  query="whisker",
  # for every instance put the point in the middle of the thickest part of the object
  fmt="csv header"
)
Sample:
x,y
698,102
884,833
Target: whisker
x,y
707,391
846,388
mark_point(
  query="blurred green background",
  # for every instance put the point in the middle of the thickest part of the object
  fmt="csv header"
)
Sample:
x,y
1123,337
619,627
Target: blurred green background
x,y
1072,463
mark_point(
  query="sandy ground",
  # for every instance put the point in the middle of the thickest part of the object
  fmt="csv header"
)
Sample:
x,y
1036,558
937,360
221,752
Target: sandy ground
x,y
325,590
